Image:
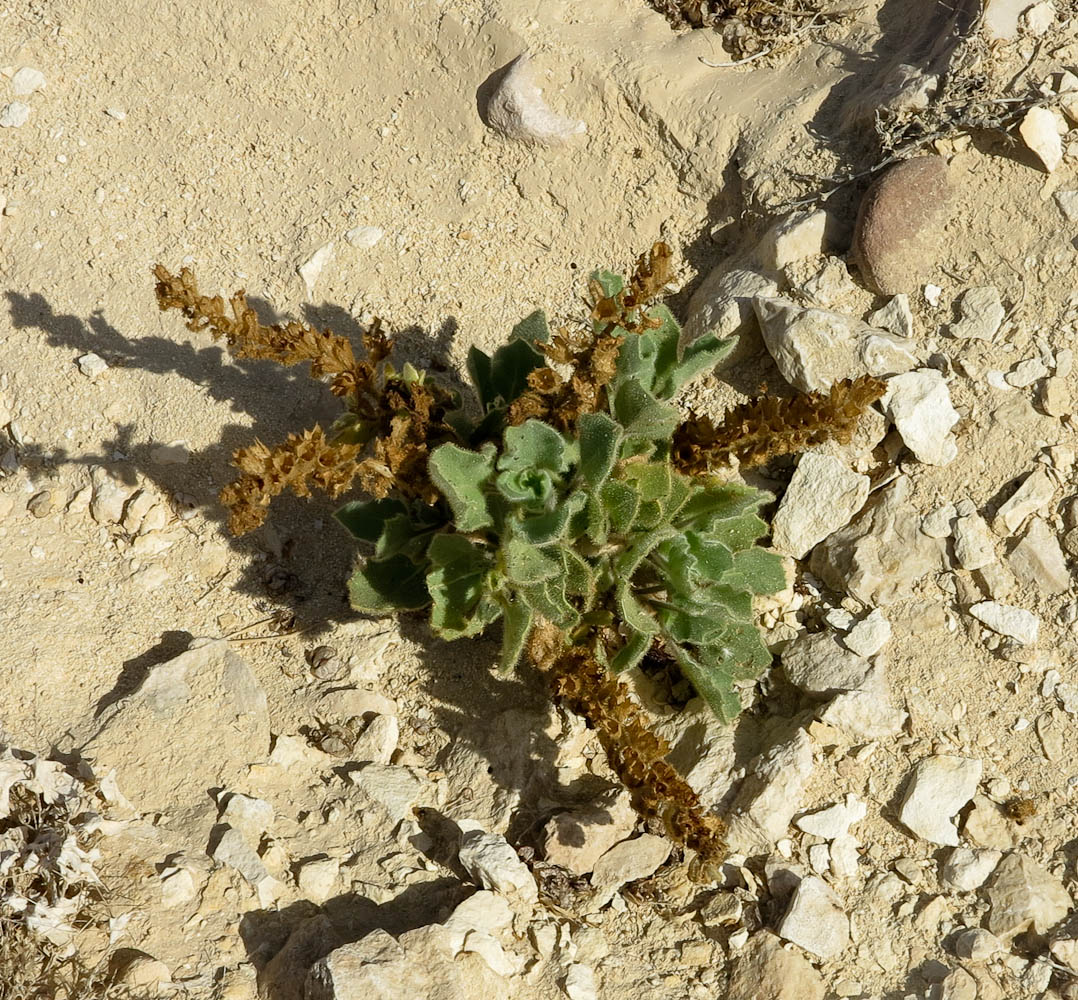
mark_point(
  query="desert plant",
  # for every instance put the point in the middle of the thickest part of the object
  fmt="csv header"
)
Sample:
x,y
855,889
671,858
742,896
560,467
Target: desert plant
x,y
582,510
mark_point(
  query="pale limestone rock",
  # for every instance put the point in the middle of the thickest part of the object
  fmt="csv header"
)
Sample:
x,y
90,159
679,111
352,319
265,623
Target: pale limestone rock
x,y
91,365
815,920
896,317
109,496
939,787
981,314
835,820
394,788
919,405
311,269
793,238
576,839
177,888
987,826
723,303
1001,18
1025,373
26,81
764,969
1055,396
158,738
317,878
817,664
883,353
967,868
1017,623
937,523
580,982
233,850
866,715
1033,496
518,111
974,546
1042,131
869,635
251,816
490,859
977,945
769,796
1067,201
378,741
958,985
882,553
1024,895
822,496
1037,559
626,862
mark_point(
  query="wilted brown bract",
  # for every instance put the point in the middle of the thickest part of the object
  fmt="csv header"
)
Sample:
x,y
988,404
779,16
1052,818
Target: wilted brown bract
x,y
768,427
634,752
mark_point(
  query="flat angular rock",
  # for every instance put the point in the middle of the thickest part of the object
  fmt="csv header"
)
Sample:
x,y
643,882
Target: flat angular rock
x,y
1037,560
898,228
628,861
817,664
1033,496
896,316
882,553
394,788
378,741
232,849
1023,895
822,496
815,920
834,821
1042,131
723,303
769,796
794,238
977,944
764,970
967,868
194,723
1017,623
919,404
869,635
939,787
974,547
490,859
866,715
980,312
577,838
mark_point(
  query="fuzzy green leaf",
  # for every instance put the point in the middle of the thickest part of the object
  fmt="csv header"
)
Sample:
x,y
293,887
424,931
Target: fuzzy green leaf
x,y
579,578
549,600
517,624
386,585
712,684
662,344
532,329
621,503
714,504
461,475
643,416
525,564
535,445
510,367
610,283
532,489
635,615
701,355
456,583
600,441
366,519
542,529
634,650
403,536
757,571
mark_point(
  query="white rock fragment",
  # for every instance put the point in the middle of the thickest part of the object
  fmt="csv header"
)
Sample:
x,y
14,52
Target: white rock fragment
x,y
580,982
364,236
517,110
117,114
974,547
1017,623
919,404
91,365
1025,373
835,820
233,850
793,238
815,920
966,869
939,787
895,317
1037,560
817,664
723,303
765,970
392,787
1023,895
14,115
869,635
937,523
577,838
981,314
311,269
490,859
823,496
109,496
1067,202
1042,131
251,816
866,715
27,80
977,945
1032,497
932,295
378,741
626,862
770,795
317,878
177,888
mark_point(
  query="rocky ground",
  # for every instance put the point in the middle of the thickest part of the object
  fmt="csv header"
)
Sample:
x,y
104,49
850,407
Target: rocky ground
x,y
251,791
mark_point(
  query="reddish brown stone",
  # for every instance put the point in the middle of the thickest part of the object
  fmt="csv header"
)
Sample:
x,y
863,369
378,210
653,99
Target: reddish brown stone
x,y
898,230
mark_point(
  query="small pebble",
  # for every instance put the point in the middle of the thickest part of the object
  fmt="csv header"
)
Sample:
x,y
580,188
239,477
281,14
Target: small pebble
x,y
91,365
15,114
40,504
364,236
118,113
26,81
